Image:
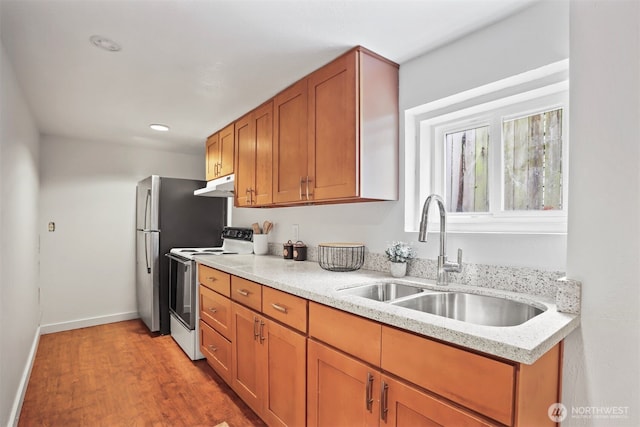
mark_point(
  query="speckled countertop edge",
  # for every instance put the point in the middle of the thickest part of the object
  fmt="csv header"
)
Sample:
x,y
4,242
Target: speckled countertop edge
x,y
523,343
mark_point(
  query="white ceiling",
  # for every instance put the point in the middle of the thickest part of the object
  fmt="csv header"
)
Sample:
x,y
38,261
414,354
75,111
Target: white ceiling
x,y
197,65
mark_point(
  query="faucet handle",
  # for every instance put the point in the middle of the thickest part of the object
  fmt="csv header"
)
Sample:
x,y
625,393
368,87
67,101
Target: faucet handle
x,y
454,267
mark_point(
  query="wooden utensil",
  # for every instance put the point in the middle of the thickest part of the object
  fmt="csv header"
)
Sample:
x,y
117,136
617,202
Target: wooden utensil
x,y
256,228
267,226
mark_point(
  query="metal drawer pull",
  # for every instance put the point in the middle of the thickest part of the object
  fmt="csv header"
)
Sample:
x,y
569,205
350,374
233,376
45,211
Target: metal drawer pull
x,y
213,349
212,310
262,338
279,307
301,182
256,334
384,401
369,394
243,292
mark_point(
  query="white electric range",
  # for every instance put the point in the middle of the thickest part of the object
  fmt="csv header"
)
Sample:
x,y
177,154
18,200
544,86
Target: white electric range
x,y
183,285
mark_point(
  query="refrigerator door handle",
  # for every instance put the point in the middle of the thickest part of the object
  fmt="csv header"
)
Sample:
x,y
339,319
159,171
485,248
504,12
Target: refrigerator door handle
x,y
146,253
146,240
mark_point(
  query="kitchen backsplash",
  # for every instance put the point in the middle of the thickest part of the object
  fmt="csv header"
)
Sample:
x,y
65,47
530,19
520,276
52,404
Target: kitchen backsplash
x,y
552,284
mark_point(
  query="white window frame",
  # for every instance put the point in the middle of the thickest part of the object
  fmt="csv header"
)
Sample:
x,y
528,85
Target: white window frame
x,y
535,91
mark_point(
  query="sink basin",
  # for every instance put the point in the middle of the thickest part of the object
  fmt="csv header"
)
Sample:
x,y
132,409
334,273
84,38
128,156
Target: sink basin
x,y
384,291
471,308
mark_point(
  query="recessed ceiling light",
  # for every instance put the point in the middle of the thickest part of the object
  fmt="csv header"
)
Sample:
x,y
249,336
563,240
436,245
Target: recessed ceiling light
x,y
105,43
159,127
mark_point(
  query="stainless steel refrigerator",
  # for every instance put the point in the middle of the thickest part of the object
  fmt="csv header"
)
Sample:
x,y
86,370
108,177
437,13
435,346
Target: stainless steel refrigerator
x,y
168,215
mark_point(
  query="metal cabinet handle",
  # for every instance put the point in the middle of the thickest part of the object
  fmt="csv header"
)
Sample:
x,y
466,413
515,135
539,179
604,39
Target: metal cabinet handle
x,y
212,310
243,292
213,349
256,334
300,187
308,181
369,394
262,338
279,308
384,401
248,196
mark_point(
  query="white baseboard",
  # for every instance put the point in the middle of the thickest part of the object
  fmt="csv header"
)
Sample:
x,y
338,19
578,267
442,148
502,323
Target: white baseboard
x,y
84,323
24,382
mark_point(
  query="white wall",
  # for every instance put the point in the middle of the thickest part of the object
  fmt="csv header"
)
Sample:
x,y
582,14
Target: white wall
x,y
88,189
19,307
602,358
512,46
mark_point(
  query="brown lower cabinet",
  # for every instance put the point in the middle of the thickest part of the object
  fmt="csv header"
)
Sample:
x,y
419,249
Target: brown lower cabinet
x,y
332,368
343,391
269,367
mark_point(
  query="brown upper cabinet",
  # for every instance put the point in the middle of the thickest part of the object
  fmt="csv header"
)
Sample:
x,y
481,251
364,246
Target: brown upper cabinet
x,y
254,157
219,154
331,137
336,133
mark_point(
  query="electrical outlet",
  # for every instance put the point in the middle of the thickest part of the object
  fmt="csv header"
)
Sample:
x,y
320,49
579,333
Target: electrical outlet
x,y
295,231
52,226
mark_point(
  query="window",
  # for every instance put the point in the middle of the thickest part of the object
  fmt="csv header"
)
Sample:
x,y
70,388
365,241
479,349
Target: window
x,y
533,162
497,154
467,170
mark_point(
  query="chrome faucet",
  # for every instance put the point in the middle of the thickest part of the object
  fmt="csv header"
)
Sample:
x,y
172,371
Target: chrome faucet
x,y
444,266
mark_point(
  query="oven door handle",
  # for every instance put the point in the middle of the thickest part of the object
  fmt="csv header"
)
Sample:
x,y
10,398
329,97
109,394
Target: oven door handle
x,y
183,261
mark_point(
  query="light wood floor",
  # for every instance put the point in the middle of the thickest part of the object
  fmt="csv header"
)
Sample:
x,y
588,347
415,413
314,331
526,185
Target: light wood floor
x,y
122,375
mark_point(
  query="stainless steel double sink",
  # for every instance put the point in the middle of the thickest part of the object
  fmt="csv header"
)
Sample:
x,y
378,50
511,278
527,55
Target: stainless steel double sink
x,y
466,307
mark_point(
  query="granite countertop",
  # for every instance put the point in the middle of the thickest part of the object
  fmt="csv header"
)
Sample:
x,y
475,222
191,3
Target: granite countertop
x,y
523,343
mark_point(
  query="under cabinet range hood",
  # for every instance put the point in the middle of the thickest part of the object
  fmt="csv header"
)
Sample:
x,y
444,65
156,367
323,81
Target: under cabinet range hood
x,y
219,187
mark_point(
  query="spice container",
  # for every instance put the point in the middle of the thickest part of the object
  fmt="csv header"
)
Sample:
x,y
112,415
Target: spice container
x,y
299,251
287,250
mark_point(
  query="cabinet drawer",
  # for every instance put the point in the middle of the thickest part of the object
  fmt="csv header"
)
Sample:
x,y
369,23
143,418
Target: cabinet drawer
x,y
215,310
482,384
217,350
350,333
286,308
246,292
214,279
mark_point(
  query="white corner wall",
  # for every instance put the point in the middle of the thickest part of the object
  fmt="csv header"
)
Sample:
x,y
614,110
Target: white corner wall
x,y
19,306
509,47
602,358
88,188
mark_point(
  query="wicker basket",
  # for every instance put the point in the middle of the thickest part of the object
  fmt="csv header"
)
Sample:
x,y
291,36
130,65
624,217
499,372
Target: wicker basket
x,y
341,256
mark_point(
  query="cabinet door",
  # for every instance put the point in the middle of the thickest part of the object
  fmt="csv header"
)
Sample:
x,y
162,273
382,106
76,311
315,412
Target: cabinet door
x,y
245,161
341,391
290,143
285,399
227,144
253,170
333,139
247,355
404,406
212,156
263,184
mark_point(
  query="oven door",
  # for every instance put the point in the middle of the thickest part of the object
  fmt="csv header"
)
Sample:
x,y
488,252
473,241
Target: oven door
x,y
182,290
